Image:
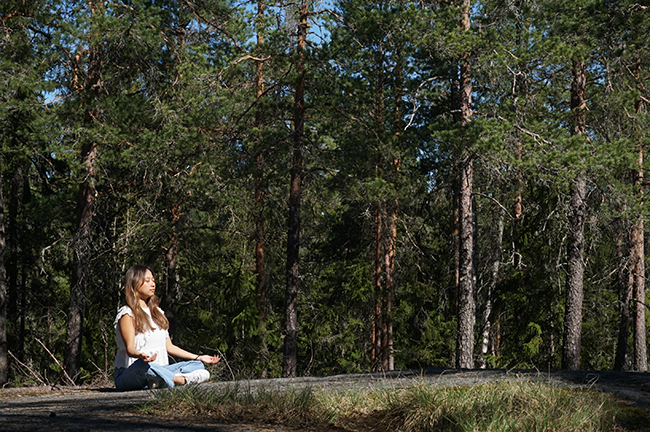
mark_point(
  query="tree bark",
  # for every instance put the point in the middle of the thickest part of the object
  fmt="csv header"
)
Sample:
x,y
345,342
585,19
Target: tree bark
x,y
486,325
637,241
4,349
389,264
624,302
290,360
466,273
382,358
375,357
576,234
637,275
574,281
466,302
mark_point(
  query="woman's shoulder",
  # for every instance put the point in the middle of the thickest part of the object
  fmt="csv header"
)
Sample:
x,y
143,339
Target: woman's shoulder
x,y
124,310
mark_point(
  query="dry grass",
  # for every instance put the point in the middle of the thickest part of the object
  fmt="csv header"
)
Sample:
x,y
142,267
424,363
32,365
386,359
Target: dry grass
x,y
502,406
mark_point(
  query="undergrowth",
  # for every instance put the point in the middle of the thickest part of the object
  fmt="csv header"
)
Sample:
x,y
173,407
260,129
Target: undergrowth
x,y
496,407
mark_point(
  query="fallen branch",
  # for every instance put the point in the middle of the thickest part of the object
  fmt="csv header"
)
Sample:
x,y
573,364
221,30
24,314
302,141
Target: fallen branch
x,y
69,380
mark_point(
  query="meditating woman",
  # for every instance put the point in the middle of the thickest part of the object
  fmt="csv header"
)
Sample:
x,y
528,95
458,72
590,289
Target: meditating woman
x,y
143,343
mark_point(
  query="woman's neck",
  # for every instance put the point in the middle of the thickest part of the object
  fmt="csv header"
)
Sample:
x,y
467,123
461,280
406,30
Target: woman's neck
x,y
143,304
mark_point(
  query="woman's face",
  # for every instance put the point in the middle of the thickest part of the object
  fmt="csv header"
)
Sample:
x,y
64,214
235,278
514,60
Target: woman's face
x,y
148,287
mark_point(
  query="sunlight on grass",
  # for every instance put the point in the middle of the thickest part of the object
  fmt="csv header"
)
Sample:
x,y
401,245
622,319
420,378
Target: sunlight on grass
x,y
502,406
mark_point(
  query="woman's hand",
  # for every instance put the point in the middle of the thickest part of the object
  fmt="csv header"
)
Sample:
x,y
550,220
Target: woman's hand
x,y
148,358
209,359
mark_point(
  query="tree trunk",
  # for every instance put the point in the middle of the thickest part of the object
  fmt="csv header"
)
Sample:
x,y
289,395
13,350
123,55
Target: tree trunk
x,y
375,357
389,264
487,295
172,295
576,234
92,89
290,361
519,210
12,264
382,358
4,361
466,281
79,281
637,240
466,302
574,281
624,303
260,190
637,275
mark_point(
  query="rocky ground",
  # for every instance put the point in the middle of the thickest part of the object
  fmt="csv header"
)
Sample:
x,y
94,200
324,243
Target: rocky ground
x,y
104,409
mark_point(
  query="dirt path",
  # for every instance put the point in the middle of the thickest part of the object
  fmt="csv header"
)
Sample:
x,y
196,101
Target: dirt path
x,y
93,409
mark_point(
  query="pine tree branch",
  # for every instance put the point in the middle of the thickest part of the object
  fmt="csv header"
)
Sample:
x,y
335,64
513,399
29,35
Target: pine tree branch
x,y
207,21
640,302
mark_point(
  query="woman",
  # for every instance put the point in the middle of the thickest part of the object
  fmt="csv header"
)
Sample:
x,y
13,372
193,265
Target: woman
x,y
143,342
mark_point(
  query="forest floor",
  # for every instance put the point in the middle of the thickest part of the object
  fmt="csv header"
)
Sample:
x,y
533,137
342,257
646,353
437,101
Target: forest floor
x,y
105,409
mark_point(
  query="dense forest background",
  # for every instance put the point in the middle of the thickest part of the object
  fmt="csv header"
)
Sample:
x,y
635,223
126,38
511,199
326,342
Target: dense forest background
x,y
325,187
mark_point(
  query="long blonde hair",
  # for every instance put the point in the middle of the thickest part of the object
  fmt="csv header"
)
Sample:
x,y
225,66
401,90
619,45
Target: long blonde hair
x,y
133,280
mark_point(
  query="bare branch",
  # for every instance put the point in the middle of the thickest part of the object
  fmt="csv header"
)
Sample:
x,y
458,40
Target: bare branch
x,y
250,57
35,374
68,380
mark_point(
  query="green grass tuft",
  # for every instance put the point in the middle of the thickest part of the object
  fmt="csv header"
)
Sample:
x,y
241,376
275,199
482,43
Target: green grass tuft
x,y
498,407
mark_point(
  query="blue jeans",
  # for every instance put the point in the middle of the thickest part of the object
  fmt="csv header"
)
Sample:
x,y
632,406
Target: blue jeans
x,y
136,376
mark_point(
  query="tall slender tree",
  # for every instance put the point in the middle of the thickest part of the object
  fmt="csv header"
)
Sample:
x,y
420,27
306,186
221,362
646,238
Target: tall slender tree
x,y
576,235
290,362
637,238
466,231
4,361
90,85
260,184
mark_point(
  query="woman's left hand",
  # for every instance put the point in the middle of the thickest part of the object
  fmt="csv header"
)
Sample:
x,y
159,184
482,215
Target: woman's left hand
x,y
209,359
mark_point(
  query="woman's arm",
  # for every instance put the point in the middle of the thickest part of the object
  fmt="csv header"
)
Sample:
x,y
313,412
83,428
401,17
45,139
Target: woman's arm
x,y
127,330
179,352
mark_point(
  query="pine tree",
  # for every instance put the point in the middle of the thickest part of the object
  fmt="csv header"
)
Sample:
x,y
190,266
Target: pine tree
x,y
23,65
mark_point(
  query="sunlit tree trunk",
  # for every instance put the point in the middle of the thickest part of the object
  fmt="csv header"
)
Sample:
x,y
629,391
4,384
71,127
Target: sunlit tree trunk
x,y
466,272
383,285
576,234
389,264
637,274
